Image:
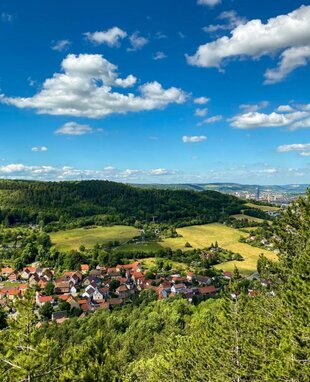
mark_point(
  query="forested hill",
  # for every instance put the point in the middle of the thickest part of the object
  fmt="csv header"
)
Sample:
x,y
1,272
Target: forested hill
x,y
35,202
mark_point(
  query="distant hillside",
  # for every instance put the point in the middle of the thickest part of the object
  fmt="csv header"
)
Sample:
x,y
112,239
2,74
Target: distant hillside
x,y
295,189
33,202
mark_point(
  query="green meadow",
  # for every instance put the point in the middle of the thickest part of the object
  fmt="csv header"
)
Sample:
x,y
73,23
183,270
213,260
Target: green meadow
x,y
199,236
74,238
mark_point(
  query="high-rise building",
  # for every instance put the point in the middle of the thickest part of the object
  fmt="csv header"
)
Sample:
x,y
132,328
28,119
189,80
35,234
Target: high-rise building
x,y
257,193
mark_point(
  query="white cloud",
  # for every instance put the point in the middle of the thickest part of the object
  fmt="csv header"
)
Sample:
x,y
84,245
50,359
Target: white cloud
x,y
256,173
253,120
209,3
110,37
254,107
39,148
303,124
294,147
61,45
24,171
137,42
160,36
207,121
46,172
159,171
254,39
268,171
193,138
84,89
73,128
159,56
232,21
201,100
290,59
302,148
127,82
201,112
285,109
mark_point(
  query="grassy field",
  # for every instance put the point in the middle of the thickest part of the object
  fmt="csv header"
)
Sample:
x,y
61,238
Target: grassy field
x,y
199,236
72,239
249,218
203,235
143,247
262,208
150,261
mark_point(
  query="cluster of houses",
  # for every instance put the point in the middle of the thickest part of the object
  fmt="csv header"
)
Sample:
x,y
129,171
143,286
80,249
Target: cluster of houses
x,y
100,288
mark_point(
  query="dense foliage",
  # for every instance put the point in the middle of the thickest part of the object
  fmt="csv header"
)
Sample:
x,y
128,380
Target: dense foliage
x,y
104,202
235,338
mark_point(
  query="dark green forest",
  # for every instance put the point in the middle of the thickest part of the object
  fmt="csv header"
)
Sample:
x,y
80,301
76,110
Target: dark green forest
x,y
104,202
233,338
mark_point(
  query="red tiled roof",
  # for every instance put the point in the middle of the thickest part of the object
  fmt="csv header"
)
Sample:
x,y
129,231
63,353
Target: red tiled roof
x,y
114,301
64,297
45,298
7,270
13,291
122,288
82,302
207,290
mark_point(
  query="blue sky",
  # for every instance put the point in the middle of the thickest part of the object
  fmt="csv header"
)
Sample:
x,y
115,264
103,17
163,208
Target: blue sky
x,y
159,91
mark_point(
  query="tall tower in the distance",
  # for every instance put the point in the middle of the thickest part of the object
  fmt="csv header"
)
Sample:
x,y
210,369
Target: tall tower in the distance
x,y
257,195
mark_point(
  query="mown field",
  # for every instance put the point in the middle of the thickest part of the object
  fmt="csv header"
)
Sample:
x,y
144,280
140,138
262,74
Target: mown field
x,y
249,218
203,235
147,247
199,236
262,208
74,238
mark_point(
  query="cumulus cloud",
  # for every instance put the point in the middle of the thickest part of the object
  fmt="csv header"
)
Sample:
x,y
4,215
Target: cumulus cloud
x,y
60,45
201,112
290,59
193,138
84,89
231,19
302,148
73,128
290,34
39,148
207,121
255,172
254,107
110,37
137,42
46,172
159,56
201,100
209,3
253,120
303,124
160,171
285,109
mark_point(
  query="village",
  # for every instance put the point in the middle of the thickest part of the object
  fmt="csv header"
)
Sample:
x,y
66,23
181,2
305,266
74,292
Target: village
x,y
87,290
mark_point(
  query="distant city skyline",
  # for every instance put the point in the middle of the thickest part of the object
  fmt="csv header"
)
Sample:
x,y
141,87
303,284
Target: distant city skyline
x,y
172,91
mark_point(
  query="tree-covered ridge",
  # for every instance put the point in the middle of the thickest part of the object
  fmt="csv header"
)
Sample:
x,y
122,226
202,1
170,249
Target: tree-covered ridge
x,y
44,202
239,337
